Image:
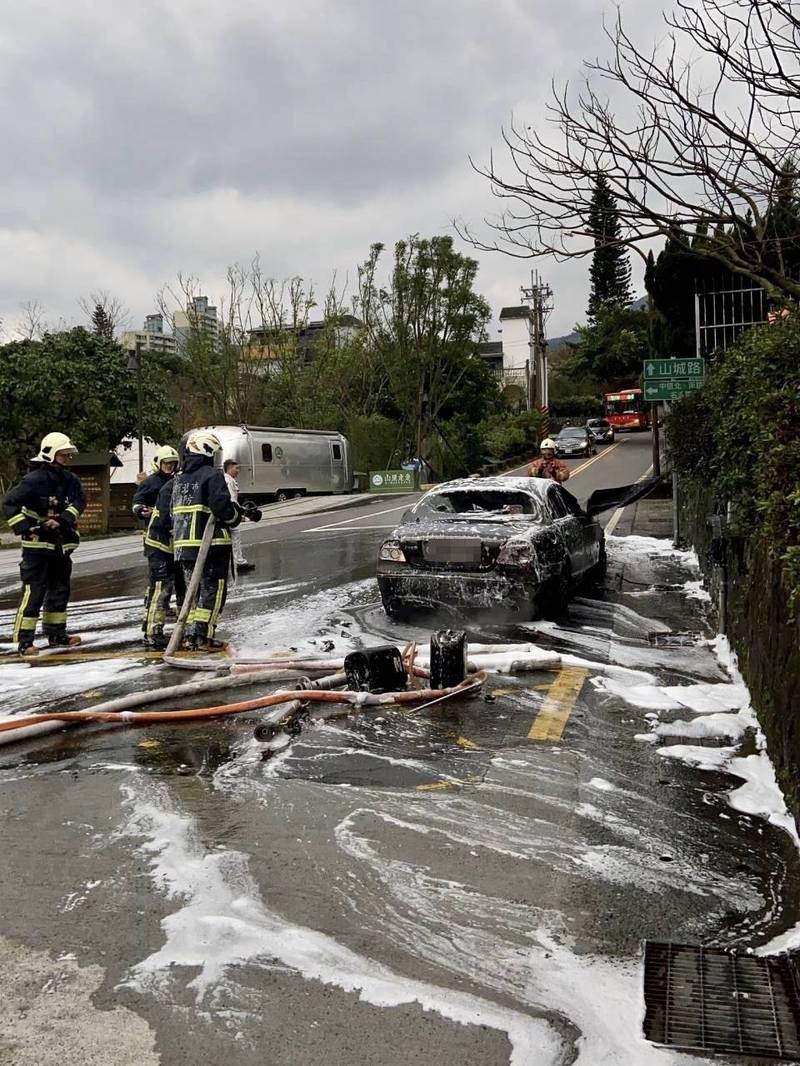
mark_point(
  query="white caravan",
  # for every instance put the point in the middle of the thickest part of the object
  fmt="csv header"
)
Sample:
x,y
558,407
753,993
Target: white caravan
x,y
281,463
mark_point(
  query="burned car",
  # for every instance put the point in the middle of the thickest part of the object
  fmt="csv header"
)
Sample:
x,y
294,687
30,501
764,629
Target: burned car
x,y
506,544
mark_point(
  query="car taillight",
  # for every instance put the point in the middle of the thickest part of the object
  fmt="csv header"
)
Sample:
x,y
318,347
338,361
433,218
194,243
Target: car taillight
x,y
391,552
516,553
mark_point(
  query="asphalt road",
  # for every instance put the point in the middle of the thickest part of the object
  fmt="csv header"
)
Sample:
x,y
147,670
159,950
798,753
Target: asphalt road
x,y
466,884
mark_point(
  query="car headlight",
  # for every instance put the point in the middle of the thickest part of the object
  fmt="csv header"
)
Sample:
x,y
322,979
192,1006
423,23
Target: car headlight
x,y
391,552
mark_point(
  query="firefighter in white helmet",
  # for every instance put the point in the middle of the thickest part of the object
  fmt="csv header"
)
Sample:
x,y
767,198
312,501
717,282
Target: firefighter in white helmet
x,y
547,465
43,510
200,495
165,577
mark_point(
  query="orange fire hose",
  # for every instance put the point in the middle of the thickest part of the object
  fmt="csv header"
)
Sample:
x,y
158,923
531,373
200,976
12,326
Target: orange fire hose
x,y
196,713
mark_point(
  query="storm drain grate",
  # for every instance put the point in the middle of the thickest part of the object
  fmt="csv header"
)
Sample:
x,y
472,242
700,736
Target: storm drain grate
x,y
709,999
673,640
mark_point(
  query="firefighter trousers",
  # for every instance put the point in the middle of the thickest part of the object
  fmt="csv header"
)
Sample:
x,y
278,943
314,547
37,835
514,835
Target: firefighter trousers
x,y
165,578
211,596
45,575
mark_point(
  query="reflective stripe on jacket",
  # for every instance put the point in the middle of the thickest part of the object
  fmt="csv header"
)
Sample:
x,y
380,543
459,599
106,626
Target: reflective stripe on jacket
x,y
199,492
48,490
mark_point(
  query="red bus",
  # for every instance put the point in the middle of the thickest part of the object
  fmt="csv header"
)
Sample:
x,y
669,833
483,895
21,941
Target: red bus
x,y
626,409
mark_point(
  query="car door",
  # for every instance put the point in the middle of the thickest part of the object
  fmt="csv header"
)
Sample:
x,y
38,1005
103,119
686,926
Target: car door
x,y
570,528
589,529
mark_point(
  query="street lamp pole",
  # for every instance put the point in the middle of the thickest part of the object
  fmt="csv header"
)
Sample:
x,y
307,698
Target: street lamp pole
x,y
135,363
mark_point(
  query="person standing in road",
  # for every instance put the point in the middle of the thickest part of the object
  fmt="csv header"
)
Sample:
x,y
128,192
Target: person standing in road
x,y
43,510
200,495
547,465
231,470
164,576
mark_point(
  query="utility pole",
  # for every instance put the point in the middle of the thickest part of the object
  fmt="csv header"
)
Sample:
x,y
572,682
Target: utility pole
x,y
540,296
135,363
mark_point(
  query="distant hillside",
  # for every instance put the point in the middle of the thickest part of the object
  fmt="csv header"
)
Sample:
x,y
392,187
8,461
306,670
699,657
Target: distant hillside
x,y
554,344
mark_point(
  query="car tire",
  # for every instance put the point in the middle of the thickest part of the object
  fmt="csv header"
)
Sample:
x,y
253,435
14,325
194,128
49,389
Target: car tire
x,y
598,572
397,614
551,602
282,496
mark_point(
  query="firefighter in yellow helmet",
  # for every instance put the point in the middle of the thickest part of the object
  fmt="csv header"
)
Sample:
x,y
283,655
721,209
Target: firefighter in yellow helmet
x,y
43,510
200,495
547,465
164,575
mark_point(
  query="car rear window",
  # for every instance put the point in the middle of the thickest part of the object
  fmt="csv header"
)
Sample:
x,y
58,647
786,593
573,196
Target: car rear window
x,y
480,503
573,431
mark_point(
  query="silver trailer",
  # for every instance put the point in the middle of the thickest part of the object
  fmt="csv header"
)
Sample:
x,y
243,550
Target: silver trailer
x,y
281,463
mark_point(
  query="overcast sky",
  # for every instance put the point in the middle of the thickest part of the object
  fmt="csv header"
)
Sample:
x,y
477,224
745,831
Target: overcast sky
x,y
146,138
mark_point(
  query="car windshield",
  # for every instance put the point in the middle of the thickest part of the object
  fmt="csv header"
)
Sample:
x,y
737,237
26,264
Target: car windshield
x,y
598,423
572,431
478,504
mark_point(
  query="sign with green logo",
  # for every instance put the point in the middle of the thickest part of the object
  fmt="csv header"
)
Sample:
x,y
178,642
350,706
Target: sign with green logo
x,y
387,481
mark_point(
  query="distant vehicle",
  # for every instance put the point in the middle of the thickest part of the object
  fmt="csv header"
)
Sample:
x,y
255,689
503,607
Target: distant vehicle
x,y
278,464
626,409
574,441
601,429
516,545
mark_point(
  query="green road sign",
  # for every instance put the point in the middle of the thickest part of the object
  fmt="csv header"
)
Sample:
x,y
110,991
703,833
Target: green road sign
x,y
659,369
386,481
670,389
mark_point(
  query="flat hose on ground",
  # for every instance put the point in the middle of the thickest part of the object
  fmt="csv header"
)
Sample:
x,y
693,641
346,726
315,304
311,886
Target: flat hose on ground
x,y
35,725
359,699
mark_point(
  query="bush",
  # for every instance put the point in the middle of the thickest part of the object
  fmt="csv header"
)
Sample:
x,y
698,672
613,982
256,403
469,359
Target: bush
x,y
741,434
581,407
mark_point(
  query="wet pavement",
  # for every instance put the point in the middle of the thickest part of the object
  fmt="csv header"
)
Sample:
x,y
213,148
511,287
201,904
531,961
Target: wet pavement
x,y
470,883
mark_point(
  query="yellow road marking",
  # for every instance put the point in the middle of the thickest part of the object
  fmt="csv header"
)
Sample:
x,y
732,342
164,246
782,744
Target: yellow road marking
x,y
90,656
595,458
550,722
468,745
435,785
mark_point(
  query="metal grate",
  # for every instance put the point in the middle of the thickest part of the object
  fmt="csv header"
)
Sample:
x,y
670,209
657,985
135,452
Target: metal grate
x,y
674,640
710,999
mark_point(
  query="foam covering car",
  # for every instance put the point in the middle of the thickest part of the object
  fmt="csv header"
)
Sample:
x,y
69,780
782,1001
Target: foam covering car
x,y
500,544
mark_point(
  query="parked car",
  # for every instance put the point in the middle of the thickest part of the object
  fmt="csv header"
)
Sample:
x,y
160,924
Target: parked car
x,y
511,545
574,441
601,429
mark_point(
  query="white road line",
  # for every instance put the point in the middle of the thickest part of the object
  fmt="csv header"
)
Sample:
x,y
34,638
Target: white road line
x,y
359,518
345,529
611,525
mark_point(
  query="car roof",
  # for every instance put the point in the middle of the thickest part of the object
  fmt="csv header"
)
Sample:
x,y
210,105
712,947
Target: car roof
x,y
534,486
566,429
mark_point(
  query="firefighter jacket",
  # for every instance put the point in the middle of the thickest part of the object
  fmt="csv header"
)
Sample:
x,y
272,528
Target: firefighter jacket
x,y
48,490
147,493
158,535
200,494
549,468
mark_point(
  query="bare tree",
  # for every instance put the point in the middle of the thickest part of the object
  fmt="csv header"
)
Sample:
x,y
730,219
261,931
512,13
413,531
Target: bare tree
x,y
114,312
31,324
699,134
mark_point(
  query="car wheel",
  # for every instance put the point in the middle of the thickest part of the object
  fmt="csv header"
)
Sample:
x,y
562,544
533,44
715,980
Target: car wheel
x,y
552,600
396,613
598,571
282,496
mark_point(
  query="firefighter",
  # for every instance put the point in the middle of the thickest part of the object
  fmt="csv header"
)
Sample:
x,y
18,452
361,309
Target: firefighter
x,y
200,495
165,463
165,576
548,466
43,510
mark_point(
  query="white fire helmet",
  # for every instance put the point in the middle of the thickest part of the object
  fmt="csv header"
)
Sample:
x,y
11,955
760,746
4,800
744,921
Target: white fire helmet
x,y
51,444
203,442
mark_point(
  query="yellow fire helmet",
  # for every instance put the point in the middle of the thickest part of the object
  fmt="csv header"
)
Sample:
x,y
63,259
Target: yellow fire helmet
x,y
165,454
52,443
547,443
203,442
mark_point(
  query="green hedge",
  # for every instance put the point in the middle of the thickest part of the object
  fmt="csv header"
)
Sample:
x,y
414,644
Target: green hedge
x,y
741,434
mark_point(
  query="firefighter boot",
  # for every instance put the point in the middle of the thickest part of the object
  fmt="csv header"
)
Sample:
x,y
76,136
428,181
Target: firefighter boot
x,y
63,640
156,639
27,649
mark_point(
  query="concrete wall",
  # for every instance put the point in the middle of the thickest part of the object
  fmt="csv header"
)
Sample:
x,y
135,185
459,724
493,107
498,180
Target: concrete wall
x,y
759,626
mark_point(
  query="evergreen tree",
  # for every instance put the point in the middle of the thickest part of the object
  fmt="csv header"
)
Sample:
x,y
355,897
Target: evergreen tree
x,y
102,326
610,272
